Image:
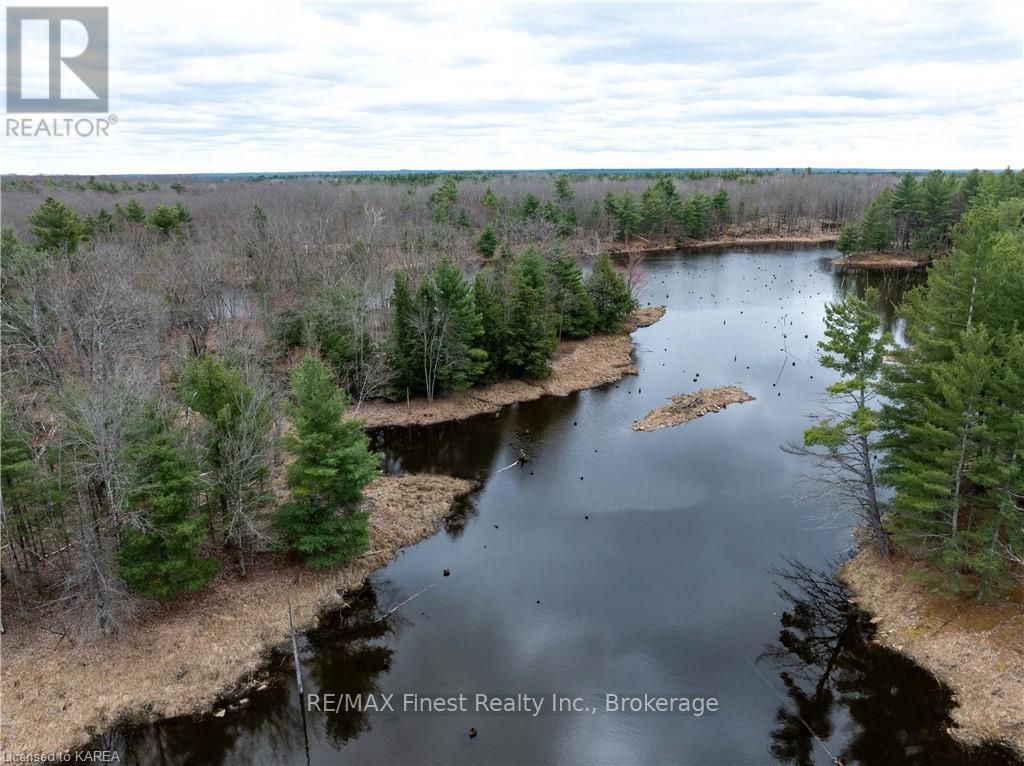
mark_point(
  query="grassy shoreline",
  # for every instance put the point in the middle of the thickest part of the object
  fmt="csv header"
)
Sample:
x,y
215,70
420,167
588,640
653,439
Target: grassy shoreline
x,y
977,650
577,365
185,657
653,246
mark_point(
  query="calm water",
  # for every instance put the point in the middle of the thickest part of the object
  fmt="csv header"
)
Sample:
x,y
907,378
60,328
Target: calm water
x,y
680,562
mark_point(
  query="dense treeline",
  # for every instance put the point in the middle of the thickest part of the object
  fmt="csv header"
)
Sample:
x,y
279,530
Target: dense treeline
x,y
146,414
918,213
926,442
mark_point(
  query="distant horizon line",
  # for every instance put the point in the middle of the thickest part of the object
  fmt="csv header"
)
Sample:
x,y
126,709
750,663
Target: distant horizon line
x,y
565,170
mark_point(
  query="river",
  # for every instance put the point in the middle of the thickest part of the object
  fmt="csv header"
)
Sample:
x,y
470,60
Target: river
x,y
680,563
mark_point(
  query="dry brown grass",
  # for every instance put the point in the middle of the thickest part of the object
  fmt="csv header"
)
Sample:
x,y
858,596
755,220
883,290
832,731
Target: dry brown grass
x,y
975,649
883,261
640,245
184,657
577,365
685,407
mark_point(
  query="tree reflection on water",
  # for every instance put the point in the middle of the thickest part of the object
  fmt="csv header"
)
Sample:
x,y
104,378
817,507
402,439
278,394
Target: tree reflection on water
x,y
849,697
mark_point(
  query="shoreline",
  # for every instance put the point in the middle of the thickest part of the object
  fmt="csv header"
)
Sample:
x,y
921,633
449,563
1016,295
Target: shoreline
x,y
576,366
781,240
882,261
682,408
976,650
186,657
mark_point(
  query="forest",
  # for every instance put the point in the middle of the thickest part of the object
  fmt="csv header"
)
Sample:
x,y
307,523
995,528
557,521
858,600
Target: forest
x,y
924,441
182,356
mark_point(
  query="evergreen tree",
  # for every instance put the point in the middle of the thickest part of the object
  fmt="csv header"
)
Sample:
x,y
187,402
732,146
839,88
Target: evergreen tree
x,y
56,227
459,358
29,493
236,432
661,206
490,200
531,337
402,341
487,244
947,423
159,556
563,191
936,210
529,207
131,211
442,200
626,212
610,295
846,440
575,315
8,241
849,239
169,219
332,465
489,300
695,216
435,337
720,209
905,207
875,230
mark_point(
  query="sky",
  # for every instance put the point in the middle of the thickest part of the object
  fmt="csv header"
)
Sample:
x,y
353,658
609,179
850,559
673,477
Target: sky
x,y
218,87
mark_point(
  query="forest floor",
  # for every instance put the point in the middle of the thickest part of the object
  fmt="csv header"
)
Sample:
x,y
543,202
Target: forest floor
x,y
975,649
184,657
641,245
906,260
577,365
685,407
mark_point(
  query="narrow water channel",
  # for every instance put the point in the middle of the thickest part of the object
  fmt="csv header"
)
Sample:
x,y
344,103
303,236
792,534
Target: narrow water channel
x,y
681,563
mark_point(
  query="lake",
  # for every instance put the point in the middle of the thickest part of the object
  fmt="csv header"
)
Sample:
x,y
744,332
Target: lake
x,y
678,563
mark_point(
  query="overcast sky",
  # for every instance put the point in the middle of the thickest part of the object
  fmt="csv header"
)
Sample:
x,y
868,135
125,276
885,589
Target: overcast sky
x,y
220,87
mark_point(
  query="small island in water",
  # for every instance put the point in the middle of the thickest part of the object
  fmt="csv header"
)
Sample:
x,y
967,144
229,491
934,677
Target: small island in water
x,y
683,408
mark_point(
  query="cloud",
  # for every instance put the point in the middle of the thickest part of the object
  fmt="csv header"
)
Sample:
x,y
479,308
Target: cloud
x,y
219,87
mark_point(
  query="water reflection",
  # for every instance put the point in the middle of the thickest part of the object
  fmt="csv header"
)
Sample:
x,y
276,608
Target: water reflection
x,y
347,652
617,561
835,678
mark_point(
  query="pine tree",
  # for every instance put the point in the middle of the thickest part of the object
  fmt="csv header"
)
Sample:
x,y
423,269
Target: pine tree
x,y
563,191
489,298
720,209
442,200
29,493
695,216
610,295
946,421
131,211
402,341
849,239
159,556
490,200
487,244
460,357
845,441
905,207
236,426
875,229
333,463
627,213
531,337
575,315
936,210
56,227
